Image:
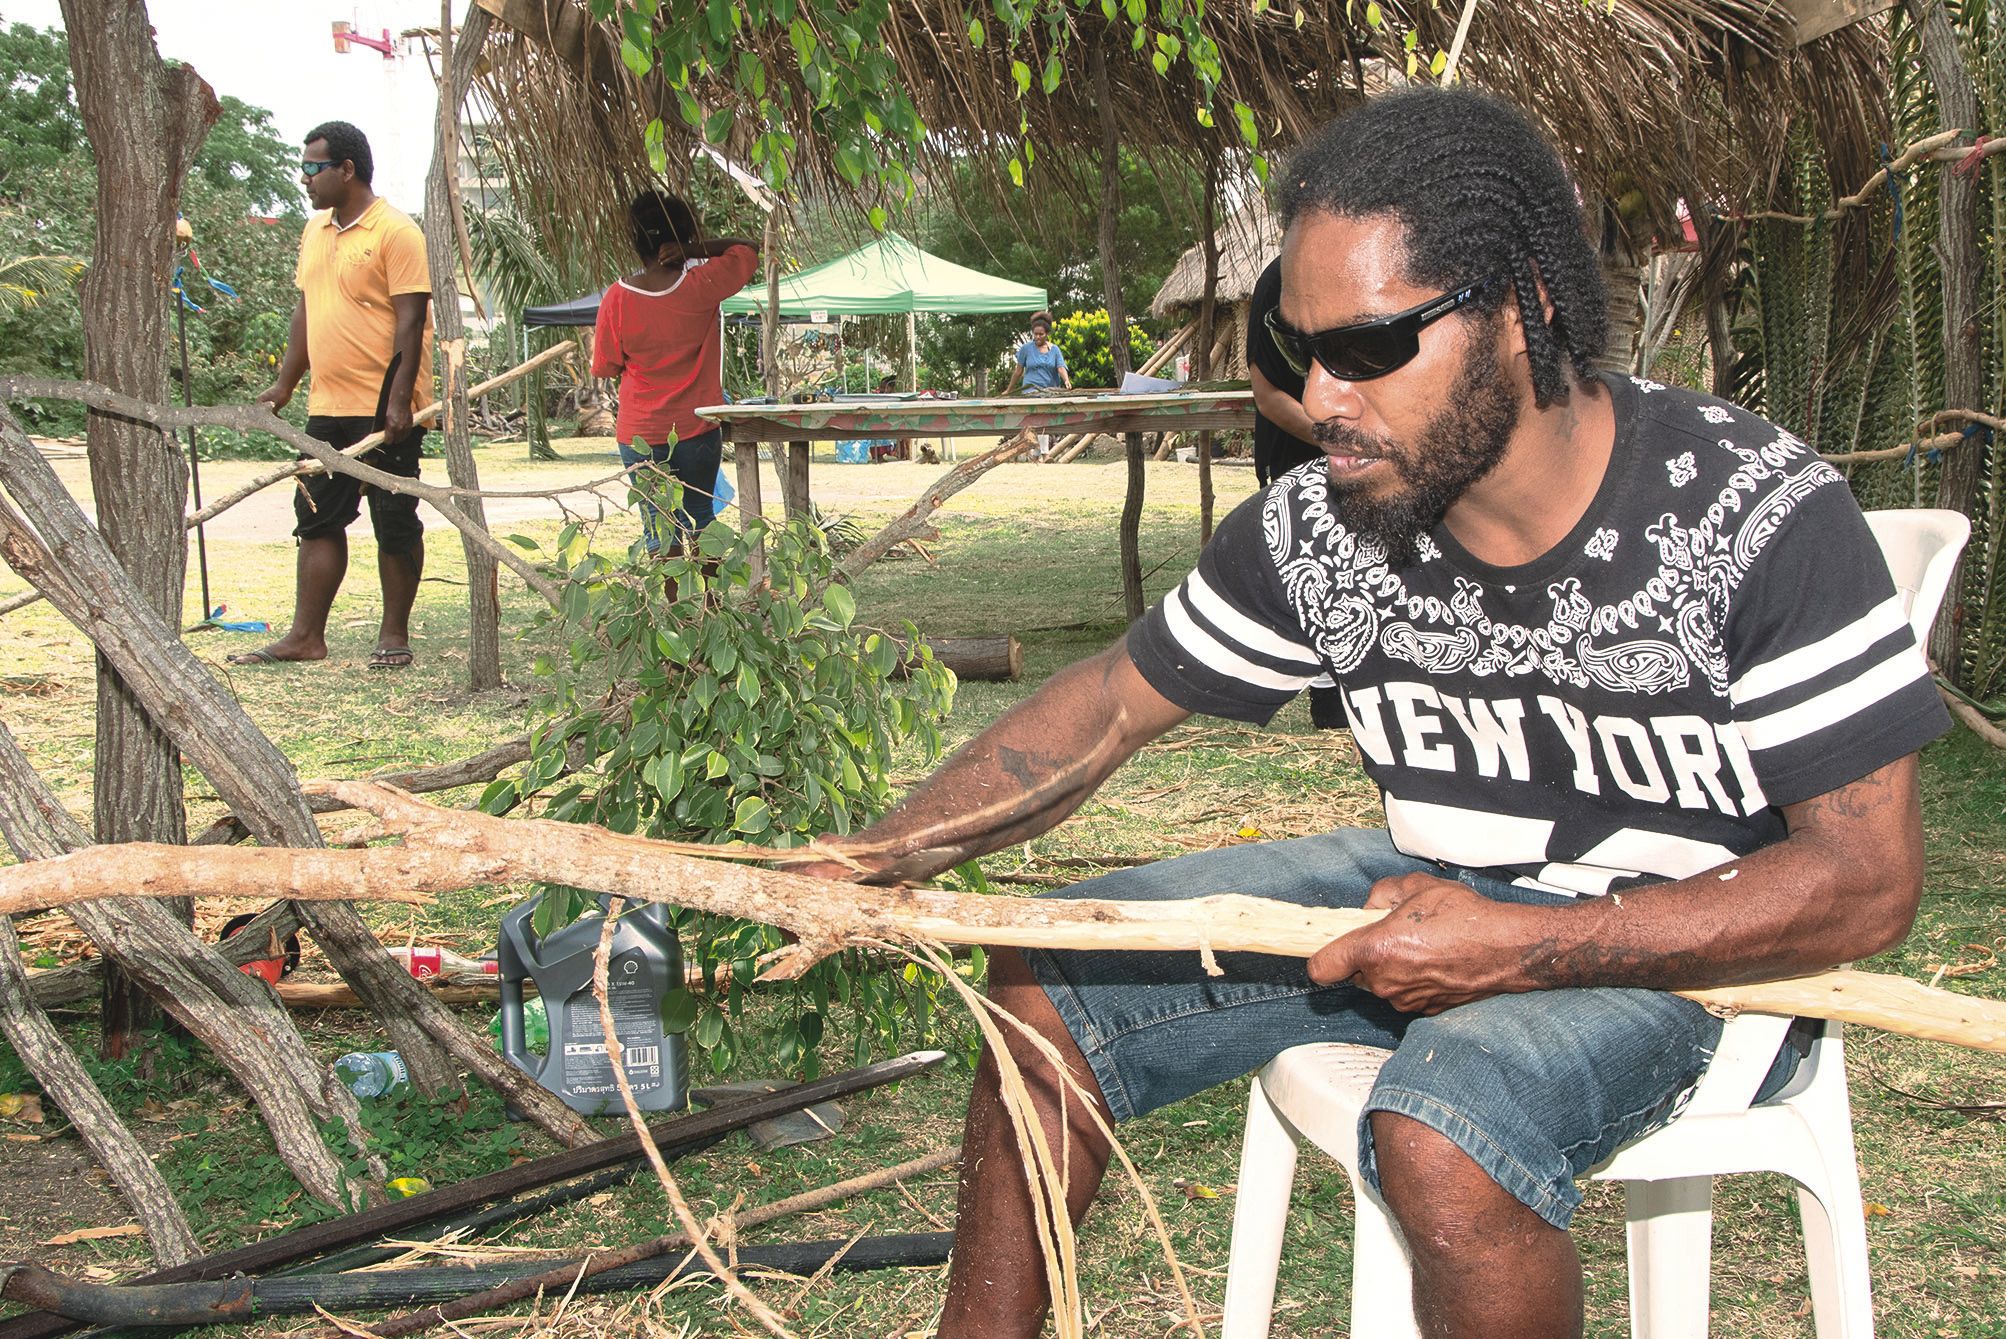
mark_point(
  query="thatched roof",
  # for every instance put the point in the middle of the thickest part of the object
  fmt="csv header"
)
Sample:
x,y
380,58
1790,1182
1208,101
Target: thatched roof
x,y
1248,242
1653,99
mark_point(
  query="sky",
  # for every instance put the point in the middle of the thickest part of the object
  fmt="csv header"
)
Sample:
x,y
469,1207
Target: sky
x,y
279,55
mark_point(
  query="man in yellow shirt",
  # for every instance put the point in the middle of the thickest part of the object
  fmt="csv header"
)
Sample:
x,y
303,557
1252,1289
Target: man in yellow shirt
x,y
362,325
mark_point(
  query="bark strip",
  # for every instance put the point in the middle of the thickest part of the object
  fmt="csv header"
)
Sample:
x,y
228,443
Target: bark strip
x,y
674,1136
562,1275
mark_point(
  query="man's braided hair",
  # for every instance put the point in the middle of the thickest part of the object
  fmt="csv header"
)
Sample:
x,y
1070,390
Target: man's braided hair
x,y
1481,194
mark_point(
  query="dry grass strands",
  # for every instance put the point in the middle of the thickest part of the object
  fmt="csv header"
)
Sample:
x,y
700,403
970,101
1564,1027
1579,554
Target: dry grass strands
x,y
762,1313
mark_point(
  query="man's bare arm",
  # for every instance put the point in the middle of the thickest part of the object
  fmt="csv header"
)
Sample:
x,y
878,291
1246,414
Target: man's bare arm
x,y
409,344
1021,776
1843,884
291,367
1280,408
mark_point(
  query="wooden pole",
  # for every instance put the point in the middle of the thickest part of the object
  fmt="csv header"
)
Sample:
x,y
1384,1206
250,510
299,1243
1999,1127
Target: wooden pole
x,y
443,229
1208,304
1117,333
1958,249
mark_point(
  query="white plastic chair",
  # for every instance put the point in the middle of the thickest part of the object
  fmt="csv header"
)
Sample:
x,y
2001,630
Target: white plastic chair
x,y
1805,1132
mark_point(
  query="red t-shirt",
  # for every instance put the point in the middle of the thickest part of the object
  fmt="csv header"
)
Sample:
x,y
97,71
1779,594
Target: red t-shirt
x,y
664,347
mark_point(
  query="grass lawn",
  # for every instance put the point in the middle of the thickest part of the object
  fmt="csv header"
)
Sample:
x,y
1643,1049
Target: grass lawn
x,y
1030,550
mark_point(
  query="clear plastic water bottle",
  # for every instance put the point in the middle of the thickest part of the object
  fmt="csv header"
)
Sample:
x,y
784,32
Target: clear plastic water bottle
x,y
373,1073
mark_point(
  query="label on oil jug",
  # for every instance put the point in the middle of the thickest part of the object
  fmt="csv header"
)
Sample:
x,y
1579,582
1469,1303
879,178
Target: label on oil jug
x,y
636,1021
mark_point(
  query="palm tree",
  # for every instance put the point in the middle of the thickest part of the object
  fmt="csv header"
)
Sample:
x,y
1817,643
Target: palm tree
x,y
25,280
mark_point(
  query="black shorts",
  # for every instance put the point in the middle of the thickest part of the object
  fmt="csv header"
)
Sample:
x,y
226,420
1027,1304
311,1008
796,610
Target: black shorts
x,y
324,504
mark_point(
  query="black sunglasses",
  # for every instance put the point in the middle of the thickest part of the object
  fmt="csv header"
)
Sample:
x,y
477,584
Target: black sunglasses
x,y
1371,348
313,167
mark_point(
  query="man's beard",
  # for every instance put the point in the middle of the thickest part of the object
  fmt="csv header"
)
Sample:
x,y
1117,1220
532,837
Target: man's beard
x,y
1462,444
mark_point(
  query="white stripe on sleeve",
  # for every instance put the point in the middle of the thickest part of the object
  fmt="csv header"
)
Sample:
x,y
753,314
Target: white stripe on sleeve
x,y
1216,656
1830,707
1244,630
1807,662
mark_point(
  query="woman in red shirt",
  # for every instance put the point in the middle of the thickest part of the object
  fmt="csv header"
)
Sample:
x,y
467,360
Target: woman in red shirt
x,y
658,332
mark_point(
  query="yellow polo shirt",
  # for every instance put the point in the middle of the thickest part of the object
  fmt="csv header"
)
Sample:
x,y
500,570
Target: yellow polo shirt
x,y
347,277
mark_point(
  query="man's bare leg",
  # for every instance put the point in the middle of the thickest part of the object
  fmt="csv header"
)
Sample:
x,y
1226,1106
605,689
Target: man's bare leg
x,y
996,1286
1485,1266
400,574
322,563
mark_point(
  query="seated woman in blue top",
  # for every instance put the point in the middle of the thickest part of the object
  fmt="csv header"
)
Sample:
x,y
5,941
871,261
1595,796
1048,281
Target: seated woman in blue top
x,y
1041,364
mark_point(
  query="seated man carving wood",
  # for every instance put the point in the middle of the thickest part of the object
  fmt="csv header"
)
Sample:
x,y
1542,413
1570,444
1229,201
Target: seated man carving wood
x,y
1624,660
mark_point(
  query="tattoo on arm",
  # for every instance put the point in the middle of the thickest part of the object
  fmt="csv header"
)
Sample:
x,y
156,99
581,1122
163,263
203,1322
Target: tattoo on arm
x,y
1862,799
1552,965
1016,764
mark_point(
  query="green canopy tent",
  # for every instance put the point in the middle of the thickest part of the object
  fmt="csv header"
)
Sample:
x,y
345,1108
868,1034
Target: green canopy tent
x,y
887,277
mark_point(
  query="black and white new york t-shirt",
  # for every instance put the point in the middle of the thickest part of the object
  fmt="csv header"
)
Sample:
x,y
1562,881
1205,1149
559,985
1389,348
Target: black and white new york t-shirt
x,y
1718,637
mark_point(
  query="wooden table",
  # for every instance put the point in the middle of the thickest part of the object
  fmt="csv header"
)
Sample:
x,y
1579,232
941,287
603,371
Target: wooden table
x,y
796,425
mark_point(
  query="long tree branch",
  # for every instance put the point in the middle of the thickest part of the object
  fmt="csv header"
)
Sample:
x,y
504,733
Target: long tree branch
x,y
449,849
912,523
244,418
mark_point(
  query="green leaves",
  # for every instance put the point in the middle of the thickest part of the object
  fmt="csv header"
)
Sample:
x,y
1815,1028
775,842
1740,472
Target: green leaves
x,y
767,715
679,1010
840,604
1250,133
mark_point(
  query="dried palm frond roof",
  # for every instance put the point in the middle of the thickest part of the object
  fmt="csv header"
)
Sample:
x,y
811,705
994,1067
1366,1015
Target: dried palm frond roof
x,y
1651,99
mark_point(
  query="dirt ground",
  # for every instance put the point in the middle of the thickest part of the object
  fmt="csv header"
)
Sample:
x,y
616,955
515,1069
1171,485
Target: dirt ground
x,y
885,488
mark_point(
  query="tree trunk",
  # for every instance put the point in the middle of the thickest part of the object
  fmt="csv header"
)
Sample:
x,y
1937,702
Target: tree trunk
x,y
1208,308
61,1076
1117,335
1963,336
63,557
769,315
237,1017
145,120
457,60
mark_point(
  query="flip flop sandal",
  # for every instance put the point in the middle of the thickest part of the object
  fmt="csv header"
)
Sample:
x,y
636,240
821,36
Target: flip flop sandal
x,y
392,658
258,657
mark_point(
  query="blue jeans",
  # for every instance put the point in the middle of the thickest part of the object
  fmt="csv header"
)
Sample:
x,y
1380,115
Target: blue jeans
x,y
1536,1088
693,462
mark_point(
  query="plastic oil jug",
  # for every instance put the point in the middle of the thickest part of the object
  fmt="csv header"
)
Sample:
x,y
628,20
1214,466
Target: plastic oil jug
x,y
645,964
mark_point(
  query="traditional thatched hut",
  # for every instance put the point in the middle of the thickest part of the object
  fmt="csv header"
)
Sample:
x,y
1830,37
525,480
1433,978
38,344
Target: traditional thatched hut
x,y
1248,242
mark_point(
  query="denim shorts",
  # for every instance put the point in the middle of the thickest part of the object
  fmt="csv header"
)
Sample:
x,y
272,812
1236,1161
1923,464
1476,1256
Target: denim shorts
x,y
1536,1088
693,462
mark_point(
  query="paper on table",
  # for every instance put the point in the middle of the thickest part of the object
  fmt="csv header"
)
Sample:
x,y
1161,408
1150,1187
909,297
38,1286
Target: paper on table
x,y
1133,383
